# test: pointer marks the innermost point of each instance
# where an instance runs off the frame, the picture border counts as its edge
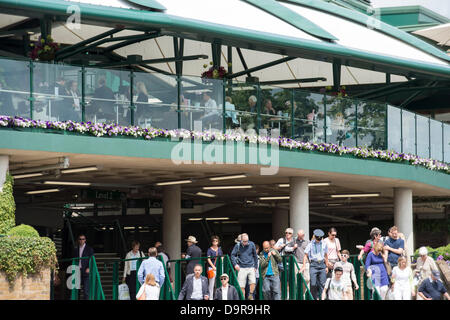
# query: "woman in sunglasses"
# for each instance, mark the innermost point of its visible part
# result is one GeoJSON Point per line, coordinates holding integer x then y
{"type": "Point", "coordinates": [226, 292]}
{"type": "Point", "coordinates": [349, 276]}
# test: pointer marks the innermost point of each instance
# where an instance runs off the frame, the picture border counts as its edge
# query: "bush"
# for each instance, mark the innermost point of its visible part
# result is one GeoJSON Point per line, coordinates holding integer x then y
{"type": "Point", "coordinates": [7, 206]}
{"type": "Point", "coordinates": [26, 255]}
{"type": "Point", "coordinates": [23, 230]}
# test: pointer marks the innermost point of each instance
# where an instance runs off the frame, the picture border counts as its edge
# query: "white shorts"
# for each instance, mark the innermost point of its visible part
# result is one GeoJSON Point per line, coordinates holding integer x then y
{"type": "Point", "coordinates": [245, 273]}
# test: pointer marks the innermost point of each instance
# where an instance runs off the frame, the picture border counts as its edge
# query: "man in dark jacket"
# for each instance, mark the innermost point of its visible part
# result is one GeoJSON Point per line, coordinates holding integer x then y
{"type": "Point", "coordinates": [245, 262]}
{"type": "Point", "coordinates": [193, 251]}
{"type": "Point", "coordinates": [195, 287]}
{"type": "Point", "coordinates": [105, 106]}
{"type": "Point", "coordinates": [226, 292]}
{"type": "Point", "coordinates": [269, 259]}
{"type": "Point", "coordinates": [83, 250]}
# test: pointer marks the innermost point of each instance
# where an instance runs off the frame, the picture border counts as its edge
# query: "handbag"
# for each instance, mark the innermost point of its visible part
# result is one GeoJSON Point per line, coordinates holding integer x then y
{"type": "Point", "coordinates": [124, 292]}
{"type": "Point", "coordinates": [211, 273]}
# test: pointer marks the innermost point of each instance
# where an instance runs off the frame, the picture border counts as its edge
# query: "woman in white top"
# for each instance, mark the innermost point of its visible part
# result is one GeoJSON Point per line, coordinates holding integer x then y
{"type": "Point", "coordinates": [149, 290]}
{"type": "Point", "coordinates": [402, 281]}
{"type": "Point", "coordinates": [129, 272]}
{"type": "Point", "coordinates": [334, 250]}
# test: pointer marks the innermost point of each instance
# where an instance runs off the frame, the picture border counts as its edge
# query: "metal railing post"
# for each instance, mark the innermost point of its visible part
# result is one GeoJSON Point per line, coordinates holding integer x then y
{"type": "Point", "coordinates": [74, 293]}
{"type": "Point", "coordinates": [132, 106]}
{"type": "Point", "coordinates": [115, 292]}
{"type": "Point", "coordinates": [325, 117]}
{"type": "Point", "coordinates": [31, 98]}
{"type": "Point", "coordinates": [83, 93]}
{"type": "Point", "coordinates": [356, 123]}
{"type": "Point", "coordinates": [224, 83]}
{"type": "Point", "coordinates": [178, 102]}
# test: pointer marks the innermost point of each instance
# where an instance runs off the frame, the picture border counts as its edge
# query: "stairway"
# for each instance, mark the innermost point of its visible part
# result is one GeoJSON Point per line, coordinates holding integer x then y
{"type": "Point", "coordinates": [58, 244]}
{"type": "Point", "coordinates": [105, 268]}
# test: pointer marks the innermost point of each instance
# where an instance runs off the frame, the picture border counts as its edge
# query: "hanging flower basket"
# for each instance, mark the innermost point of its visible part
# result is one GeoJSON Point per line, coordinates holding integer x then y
{"type": "Point", "coordinates": [44, 49]}
{"type": "Point", "coordinates": [215, 73]}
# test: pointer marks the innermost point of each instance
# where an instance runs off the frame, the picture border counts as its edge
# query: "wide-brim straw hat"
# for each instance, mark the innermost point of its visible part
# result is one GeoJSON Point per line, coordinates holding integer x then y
{"type": "Point", "coordinates": [191, 239]}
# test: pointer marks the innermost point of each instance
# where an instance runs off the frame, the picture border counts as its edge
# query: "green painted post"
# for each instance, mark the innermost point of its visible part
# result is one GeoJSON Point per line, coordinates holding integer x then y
{"type": "Point", "coordinates": [31, 66]}
{"type": "Point", "coordinates": [177, 278]}
{"type": "Point", "coordinates": [91, 278]}
{"type": "Point", "coordinates": [429, 136]}
{"type": "Point", "coordinates": [74, 292]}
{"type": "Point", "coordinates": [224, 84]}
{"type": "Point", "coordinates": [115, 293]}
{"type": "Point", "coordinates": [292, 114]}
{"type": "Point", "coordinates": [325, 117]}
{"type": "Point", "coordinates": [178, 101]}
{"type": "Point", "coordinates": [356, 123]}
{"type": "Point", "coordinates": [83, 93]}
{"type": "Point", "coordinates": [415, 133]}
{"type": "Point", "coordinates": [258, 108]}
{"type": "Point", "coordinates": [401, 129]}
{"type": "Point", "coordinates": [138, 265]}
{"type": "Point", "coordinates": [443, 143]}
{"type": "Point", "coordinates": [386, 119]}
{"type": "Point", "coordinates": [260, 285]}
{"type": "Point", "coordinates": [132, 107]}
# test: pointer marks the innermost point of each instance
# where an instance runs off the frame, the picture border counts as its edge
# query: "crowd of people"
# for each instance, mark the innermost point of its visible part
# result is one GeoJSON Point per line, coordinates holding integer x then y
{"type": "Point", "coordinates": [324, 265]}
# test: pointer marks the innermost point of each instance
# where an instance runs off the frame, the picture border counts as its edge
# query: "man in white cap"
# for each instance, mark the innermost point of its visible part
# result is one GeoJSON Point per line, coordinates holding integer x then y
{"type": "Point", "coordinates": [193, 251]}
{"type": "Point", "coordinates": [226, 292]}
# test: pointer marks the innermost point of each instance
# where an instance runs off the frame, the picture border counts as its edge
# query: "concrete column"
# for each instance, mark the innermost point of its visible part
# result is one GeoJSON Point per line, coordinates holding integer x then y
{"type": "Point", "coordinates": [4, 166]}
{"type": "Point", "coordinates": [172, 221]}
{"type": "Point", "coordinates": [403, 217]}
{"type": "Point", "coordinates": [280, 221]}
{"type": "Point", "coordinates": [299, 205]}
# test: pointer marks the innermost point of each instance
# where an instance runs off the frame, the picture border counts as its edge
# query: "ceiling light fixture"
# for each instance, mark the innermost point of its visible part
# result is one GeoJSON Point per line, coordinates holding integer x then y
{"type": "Point", "coordinates": [29, 175]}
{"type": "Point", "coordinates": [168, 183]}
{"type": "Point", "coordinates": [355, 195]}
{"type": "Point", "coordinates": [209, 195]}
{"type": "Point", "coordinates": [42, 191]}
{"type": "Point", "coordinates": [311, 184]}
{"type": "Point", "coordinates": [76, 170]}
{"type": "Point", "coordinates": [195, 219]}
{"type": "Point", "coordinates": [227, 187]}
{"type": "Point", "coordinates": [236, 176]}
{"type": "Point", "coordinates": [275, 198]}
{"type": "Point", "coordinates": [68, 183]}
{"type": "Point", "coordinates": [217, 219]}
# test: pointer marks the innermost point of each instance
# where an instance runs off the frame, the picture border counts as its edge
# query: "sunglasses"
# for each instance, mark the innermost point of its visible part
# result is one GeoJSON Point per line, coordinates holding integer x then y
{"type": "Point", "coordinates": [344, 255]}
{"type": "Point", "coordinates": [319, 238]}
{"type": "Point", "coordinates": [288, 232]}
{"type": "Point", "coordinates": [82, 239]}
{"type": "Point", "coordinates": [333, 235]}
{"type": "Point", "coordinates": [224, 278]}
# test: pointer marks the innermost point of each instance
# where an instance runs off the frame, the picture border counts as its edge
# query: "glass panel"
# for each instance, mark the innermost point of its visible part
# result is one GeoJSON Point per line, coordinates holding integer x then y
{"type": "Point", "coordinates": [108, 96]}
{"type": "Point", "coordinates": [307, 106]}
{"type": "Point", "coordinates": [56, 92]}
{"type": "Point", "coordinates": [155, 99]}
{"type": "Point", "coordinates": [447, 143]}
{"type": "Point", "coordinates": [341, 121]}
{"type": "Point", "coordinates": [243, 99]}
{"type": "Point", "coordinates": [423, 137]}
{"type": "Point", "coordinates": [14, 88]}
{"type": "Point", "coordinates": [201, 104]}
{"type": "Point", "coordinates": [394, 127]}
{"type": "Point", "coordinates": [276, 111]}
{"type": "Point", "coordinates": [436, 140]}
{"type": "Point", "coordinates": [409, 132]}
{"type": "Point", "coordinates": [372, 125]}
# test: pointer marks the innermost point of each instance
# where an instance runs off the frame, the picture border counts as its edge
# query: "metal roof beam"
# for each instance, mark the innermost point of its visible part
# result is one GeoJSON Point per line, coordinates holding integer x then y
{"type": "Point", "coordinates": [244, 64]}
{"type": "Point", "coordinates": [303, 80]}
{"type": "Point", "coordinates": [131, 41]}
{"type": "Point", "coordinates": [150, 61]}
{"type": "Point", "coordinates": [263, 66]}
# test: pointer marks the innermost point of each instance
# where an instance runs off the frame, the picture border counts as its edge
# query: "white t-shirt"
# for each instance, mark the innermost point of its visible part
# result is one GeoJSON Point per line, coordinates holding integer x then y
{"type": "Point", "coordinates": [151, 292]}
{"type": "Point", "coordinates": [402, 277]}
{"type": "Point", "coordinates": [333, 248]}
{"type": "Point", "coordinates": [225, 293]}
{"type": "Point", "coordinates": [336, 289]}
{"type": "Point", "coordinates": [197, 289]}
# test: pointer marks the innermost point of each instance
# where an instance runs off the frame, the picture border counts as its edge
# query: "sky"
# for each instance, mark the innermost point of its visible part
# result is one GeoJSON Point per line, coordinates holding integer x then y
{"type": "Point", "coordinates": [439, 6]}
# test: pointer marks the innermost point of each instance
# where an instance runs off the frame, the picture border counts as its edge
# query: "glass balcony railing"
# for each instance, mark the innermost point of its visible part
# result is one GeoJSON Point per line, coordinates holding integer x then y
{"type": "Point", "coordinates": [57, 92]}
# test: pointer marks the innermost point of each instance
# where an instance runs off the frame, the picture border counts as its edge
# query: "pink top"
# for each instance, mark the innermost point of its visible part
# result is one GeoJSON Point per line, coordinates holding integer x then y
{"type": "Point", "coordinates": [333, 247]}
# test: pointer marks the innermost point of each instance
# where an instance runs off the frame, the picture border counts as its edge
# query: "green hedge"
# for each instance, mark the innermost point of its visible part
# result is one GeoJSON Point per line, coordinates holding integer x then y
{"type": "Point", "coordinates": [7, 206]}
{"type": "Point", "coordinates": [26, 255]}
{"type": "Point", "coordinates": [23, 230]}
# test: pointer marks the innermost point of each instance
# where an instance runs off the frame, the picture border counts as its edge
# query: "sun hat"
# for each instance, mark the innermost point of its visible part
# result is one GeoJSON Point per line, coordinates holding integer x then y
{"type": "Point", "coordinates": [423, 251]}
{"type": "Point", "coordinates": [191, 239]}
{"type": "Point", "coordinates": [436, 274]}
{"type": "Point", "coordinates": [224, 275]}
{"type": "Point", "coordinates": [318, 233]}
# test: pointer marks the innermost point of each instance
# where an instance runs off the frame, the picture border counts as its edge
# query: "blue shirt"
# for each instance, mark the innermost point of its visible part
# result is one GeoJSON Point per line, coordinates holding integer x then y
{"type": "Point", "coordinates": [245, 256]}
{"type": "Point", "coordinates": [432, 289]}
{"type": "Point", "coordinates": [154, 266]}
{"type": "Point", "coordinates": [316, 250]}
{"type": "Point", "coordinates": [394, 244]}
{"type": "Point", "coordinates": [269, 266]}
{"type": "Point", "coordinates": [211, 253]}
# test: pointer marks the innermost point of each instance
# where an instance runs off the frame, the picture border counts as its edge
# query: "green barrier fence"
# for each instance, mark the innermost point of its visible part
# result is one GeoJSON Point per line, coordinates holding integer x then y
{"type": "Point", "coordinates": [95, 286]}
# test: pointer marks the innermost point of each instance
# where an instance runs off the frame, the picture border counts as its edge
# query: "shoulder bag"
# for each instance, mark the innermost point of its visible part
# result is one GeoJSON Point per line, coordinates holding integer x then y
{"type": "Point", "coordinates": [211, 273]}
